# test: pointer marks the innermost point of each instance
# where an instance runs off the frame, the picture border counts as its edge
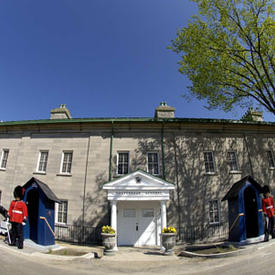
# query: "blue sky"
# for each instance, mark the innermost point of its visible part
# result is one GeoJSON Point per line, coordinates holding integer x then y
{"type": "Point", "coordinates": [102, 58]}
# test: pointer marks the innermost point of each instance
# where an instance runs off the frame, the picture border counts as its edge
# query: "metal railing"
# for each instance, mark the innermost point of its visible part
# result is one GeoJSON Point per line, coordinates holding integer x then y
{"type": "Point", "coordinates": [87, 235]}
{"type": "Point", "coordinates": [205, 233]}
{"type": "Point", "coordinates": [78, 234]}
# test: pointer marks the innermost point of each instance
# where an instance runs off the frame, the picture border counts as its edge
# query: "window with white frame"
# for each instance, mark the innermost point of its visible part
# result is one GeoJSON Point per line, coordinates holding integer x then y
{"type": "Point", "coordinates": [232, 161]}
{"type": "Point", "coordinates": [214, 212]}
{"type": "Point", "coordinates": [271, 160]}
{"type": "Point", "coordinates": [122, 163]}
{"type": "Point", "coordinates": [153, 163]}
{"type": "Point", "coordinates": [66, 166]}
{"type": "Point", "coordinates": [209, 162]}
{"type": "Point", "coordinates": [4, 158]}
{"type": "Point", "coordinates": [61, 212]}
{"type": "Point", "coordinates": [42, 161]}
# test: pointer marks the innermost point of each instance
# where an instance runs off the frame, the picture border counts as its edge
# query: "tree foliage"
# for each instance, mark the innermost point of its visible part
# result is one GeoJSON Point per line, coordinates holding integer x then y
{"type": "Point", "coordinates": [228, 53]}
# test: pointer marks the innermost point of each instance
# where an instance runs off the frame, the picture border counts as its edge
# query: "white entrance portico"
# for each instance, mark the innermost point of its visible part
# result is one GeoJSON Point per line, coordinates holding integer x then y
{"type": "Point", "coordinates": [138, 208]}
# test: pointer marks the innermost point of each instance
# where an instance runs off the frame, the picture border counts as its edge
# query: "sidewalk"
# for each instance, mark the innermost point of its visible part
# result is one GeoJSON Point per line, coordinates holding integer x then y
{"type": "Point", "coordinates": [123, 254]}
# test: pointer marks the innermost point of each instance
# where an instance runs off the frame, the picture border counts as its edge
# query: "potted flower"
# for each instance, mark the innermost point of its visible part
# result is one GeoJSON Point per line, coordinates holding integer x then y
{"type": "Point", "coordinates": [108, 235]}
{"type": "Point", "coordinates": [168, 238]}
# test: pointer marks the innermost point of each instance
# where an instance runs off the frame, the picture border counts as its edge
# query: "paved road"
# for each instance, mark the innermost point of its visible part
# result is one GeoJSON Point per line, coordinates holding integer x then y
{"type": "Point", "coordinates": [257, 261]}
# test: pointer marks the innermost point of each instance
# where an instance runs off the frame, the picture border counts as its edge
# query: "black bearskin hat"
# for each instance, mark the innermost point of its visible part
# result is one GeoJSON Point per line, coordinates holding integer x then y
{"type": "Point", "coordinates": [266, 189]}
{"type": "Point", "coordinates": [18, 192]}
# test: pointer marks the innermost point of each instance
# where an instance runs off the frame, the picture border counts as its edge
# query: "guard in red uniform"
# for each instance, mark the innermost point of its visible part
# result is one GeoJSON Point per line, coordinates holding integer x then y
{"type": "Point", "coordinates": [268, 210]}
{"type": "Point", "coordinates": [18, 217]}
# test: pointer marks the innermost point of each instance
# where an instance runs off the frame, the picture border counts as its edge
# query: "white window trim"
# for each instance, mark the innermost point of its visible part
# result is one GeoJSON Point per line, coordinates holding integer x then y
{"type": "Point", "coordinates": [273, 158]}
{"type": "Point", "coordinates": [237, 163]}
{"type": "Point", "coordinates": [56, 213]}
{"type": "Point", "coordinates": [219, 212]}
{"type": "Point", "coordinates": [153, 152]}
{"type": "Point", "coordinates": [38, 162]}
{"type": "Point", "coordinates": [2, 156]}
{"type": "Point", "coordinates": [214, 164]}
{"type": "Point", "coordinates": [61, 164]}
{"type": "Point", "coordinates": [117, 157]}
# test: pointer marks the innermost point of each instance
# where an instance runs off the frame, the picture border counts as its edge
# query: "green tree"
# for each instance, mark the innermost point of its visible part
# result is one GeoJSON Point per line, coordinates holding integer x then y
{"type": "Point", "coordinates": [227, 51]}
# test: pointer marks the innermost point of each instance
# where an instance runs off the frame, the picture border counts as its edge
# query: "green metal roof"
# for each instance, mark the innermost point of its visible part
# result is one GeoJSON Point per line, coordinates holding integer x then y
{"type": "Point", "coordinates": [132, 119]}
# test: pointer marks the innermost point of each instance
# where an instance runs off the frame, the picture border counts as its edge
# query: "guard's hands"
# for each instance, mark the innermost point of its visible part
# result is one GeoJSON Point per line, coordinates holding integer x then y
{"type": "Point", "coordinates": [24, 222]}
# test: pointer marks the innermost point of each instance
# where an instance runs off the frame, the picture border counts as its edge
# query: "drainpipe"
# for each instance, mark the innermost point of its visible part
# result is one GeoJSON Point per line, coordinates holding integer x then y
{"type": "Point", "coordinates": [111, 150]}
{"type": "Point", "coordinates": [178, 188]}
{"type": "Point", "coordinates": [249, 157]}
{"type": "Point", "coordinates": [84, 188]}
{"type": "Point", "coordinates": [162, 152]}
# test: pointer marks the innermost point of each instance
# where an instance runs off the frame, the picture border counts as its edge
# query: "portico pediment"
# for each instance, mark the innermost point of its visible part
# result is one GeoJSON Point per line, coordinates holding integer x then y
{"type": "Point", "coordinates": [138, 185]}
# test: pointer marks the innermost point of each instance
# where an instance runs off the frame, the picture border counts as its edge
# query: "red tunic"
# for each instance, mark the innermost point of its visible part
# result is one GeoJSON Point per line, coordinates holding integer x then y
{"type": "Point", "coordinates": [18, 211]}
{"type": "Point", "coordinates": [268, 206]}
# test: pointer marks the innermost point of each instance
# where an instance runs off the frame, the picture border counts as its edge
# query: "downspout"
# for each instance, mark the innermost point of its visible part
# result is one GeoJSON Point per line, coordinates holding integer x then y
{"type": "Point", "coordinates": [111, 152]}
{"type": "Point", "coordinates": [84, 188]}
{"type": "Point", "coordinates": [178, 188]}
{"type": "Point", "coordinates": [162, 152]}
{"type": "Point", "coordinates": [249, 157]}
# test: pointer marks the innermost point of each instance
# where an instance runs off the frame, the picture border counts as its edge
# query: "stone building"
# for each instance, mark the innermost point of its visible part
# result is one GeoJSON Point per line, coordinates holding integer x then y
{"type": "Point", "coordinates": [139, 174]}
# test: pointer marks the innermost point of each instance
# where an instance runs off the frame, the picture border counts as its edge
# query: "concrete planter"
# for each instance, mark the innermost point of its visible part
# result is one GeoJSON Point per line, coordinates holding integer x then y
{"type": "Point", "coordinates": [168, 242]}
{"type": "Point", "coordinates": [109, 242]}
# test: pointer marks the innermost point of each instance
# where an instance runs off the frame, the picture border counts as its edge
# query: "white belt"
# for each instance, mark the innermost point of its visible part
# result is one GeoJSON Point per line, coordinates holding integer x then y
{"type": "Point", "coordinates": [268, 207]}
{"type": "Point", "coordinates": [17, 211]}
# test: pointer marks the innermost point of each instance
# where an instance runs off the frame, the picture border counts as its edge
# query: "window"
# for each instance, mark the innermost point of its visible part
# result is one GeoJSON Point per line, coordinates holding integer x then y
{"type": "Point", "coordinates": [271, 161]}
{"type": "Point", "coordinates": [61, 212]}
{"type": "Point", "coordinates": [123, 163]}
{"type": "Point", "coordinates": [232, 161]}
{"type": "Point", "coordinates": [147, 213]}
{"type": "Point", "coordinates": [129, 213]}
{"type": "Point", "coordinates": [214, 212]}
{"type": "Point", "coordinates": [67, 159]}
{"type": "Point", "coordinates": [42, 163]}
{"type": "Point", "coordinates": [153, 163]}
{"type": "Point", "coordinates": [209, 162]}
{"type": "Point", "coordinates": [4, 158]}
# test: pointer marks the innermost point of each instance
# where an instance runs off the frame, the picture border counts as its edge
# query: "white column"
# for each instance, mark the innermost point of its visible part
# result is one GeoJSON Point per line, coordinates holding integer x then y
{"type": "Point", "coordinates": [114, 218]}
{"type": "Point", "coordinates": [163, 220]}
{"type": "Point", "coordinates": [163, 214]}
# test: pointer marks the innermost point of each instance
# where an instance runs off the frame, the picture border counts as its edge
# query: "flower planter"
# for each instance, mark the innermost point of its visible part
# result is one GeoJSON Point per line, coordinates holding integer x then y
{"type": "Point", "coordinates": [109, 242]}
{"type": "Point", "coordinates": [168, 242]}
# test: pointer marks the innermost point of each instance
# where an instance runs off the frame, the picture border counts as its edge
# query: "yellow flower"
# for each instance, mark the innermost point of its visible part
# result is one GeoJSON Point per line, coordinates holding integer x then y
{"type": "Point", "coordinates": [107, 229]}
{"type": "Point", "coordinates": [169, 229]}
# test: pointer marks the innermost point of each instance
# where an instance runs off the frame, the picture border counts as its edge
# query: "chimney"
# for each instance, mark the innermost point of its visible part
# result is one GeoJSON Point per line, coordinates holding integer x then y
{"type": "Point", "coordinates": [60, 113]}
{"type": "Point", "coordinates": [253, 115]}
{"type": "Point", "coordinates": [164, 111]}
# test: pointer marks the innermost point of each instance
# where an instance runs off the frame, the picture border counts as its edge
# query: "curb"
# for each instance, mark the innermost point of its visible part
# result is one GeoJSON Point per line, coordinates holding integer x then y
{"type": "Point", "coordinates": [241, 251]}
{"type": "Point", "coordinates": [87, 256]}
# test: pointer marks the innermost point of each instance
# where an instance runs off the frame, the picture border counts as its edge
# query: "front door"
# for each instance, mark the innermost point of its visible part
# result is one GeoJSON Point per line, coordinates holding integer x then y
{"type": "Point", "coordinates": [138, 223]}
{"type": "Point", "coordinates": [251, 213]}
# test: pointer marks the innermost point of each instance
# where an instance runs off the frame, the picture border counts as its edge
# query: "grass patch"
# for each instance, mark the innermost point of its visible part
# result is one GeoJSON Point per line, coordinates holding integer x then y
{"type": "Point", "coordinates": [217, 249]}
{"type": "Point", "coordinates": [67, 252]}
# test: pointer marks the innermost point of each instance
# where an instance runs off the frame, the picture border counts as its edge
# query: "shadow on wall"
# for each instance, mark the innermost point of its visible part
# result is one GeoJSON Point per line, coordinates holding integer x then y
{"type": "Point", "coordinates": [188, 209]}
{"type": "Point", "coordinates": [96, 212]}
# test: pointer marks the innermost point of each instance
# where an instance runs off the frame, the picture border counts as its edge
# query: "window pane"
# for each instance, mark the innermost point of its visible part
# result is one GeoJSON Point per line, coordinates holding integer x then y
{"type": "Point", "coordinates": [62, 212]}
{"type": "Point", "coordinates": [153, 163]}
{"type": "Point", "coordinates": [146, 213]}
{"type": "Point", "coordinates": [43, 161]}
{"type": "Point", "coordinates": [123, 163]}
{"type": "Point", "coordinates": [214, 215]}
{"type": "Point", "coordinates": [67, 162]}
{"type": "Point", "coordinates": [270, 159]}
{"type": "Point", "coordinates": [232, 160]}
{"type": "Point", "coordinates": [129, 213]}
{"type": "Point", "coordinates": [5, 154]}
{"type": "Point", "coordinates": [209, 162]}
